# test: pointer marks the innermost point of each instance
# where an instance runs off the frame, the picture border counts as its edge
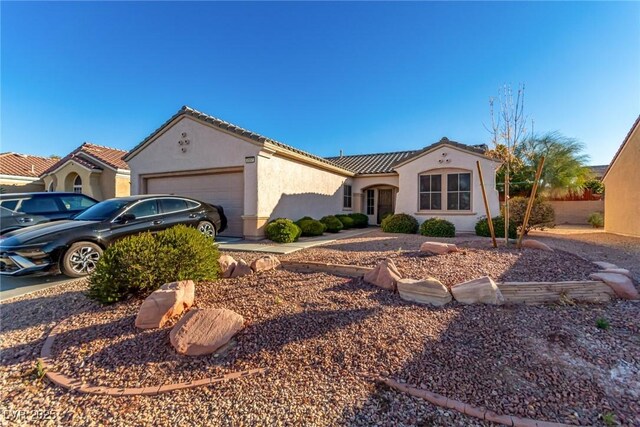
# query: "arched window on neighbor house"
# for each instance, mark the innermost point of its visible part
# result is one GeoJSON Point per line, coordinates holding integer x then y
{"type": "Point", "coordinates": [77, 185]}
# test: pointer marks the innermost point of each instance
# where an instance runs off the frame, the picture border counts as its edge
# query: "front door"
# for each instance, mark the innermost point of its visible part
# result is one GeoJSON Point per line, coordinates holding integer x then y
{"type": "Point", "coordinates": [385, 203]}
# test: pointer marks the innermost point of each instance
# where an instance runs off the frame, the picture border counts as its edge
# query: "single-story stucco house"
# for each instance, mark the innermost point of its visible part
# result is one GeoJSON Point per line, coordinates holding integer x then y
{"type": "Point", "coordinates": [257, 179]}
{"type": "Point", "coordinates": [20, 173]}
{"type": "Point", "coordinates": [622, 187]}
{"type": "Point", "coordinates": [90, 169]}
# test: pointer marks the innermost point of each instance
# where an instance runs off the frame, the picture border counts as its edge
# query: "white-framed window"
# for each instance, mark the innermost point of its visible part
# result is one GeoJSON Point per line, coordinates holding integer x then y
{"type": "Point", "coordinates": [459, 192]}
{"type": "Point", "coordinates": [77, 185]}
{"type": "Point", "coordinates": [370, 202]}
{"type": "Point", "coordinates": [430, 192]}
{"type": "Point", "coordinates": [347, 197]}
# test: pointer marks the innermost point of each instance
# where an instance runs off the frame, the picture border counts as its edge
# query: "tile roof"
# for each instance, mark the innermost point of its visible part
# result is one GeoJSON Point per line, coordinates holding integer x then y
{"type": "Point", "coordinates": [626, 139]}
{"type": "Point", "coordinates": [371, 163]}
{"type": "Point", "coordinates": [86, 154]}
{"type": "Point", "coordinates": [230, 127]}
{"type": "Point", "coordinates": [24, 164]}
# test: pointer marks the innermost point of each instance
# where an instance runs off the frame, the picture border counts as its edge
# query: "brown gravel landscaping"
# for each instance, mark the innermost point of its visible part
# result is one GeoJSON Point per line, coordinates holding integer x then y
{"type": "Point", "coordinates": [316, 332]}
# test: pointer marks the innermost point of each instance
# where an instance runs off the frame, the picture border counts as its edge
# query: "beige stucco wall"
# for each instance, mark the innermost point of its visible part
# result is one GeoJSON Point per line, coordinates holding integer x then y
{"type": "Point", "coordinates": [622, 190]}
{"type": "Point", "coordinates": [100, 185]}
{"type": "Point", "coordinates": [455, 160]}
{"type": "Point", "coordinates": [9, 185]}
{"type": "Point", "coordinates": [292, 190]}
{"type": "Point", "coordinates": [123, 186]}
{"type": "Point", "coordinates": [575, 211]}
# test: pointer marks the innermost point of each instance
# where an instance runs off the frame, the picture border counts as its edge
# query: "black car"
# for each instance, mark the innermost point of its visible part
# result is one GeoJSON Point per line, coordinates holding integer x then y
{"type": "Point", "coordinates": [35, 208]}
{"type": "Point", "coordinates": [74, 246]}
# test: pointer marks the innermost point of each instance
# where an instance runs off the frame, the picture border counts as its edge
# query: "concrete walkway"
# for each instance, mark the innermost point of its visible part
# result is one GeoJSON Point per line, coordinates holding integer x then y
{"type": "Point", "coordinates": [267, 246]}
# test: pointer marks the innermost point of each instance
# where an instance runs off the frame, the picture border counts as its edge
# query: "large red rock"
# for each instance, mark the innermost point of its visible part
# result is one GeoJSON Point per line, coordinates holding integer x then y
{"type": "Point", "coordinates": [425, 291]}
{"type": "Point", "coordinates": [534, 244]}
{"type": "Point", "coordinates": [621, 284]}
{"type": "Point", "coordinates": [241, 269]}
{"type": "Point", "coordinates": [203, 331]}
{"type": "Point", "coordinates": [227, 264]}
{"type": "Point", "coordinates": [264, 263]}
{"type": "Point", "coordinates": [482, 290]}
{"type": "Point", "coordinates": [170, 300]}
{"type": "Point", "coordinates": [384, 275]}
{"type": "Point", "coordinates": [438, 248]}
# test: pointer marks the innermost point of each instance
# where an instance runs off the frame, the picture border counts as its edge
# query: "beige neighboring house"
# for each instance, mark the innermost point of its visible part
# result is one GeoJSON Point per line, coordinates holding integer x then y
{"type": "Point", "coordinates": [90, 169]}
{"type": "Point", "coordinates": [622, 187]}
{"type": "Point", "coordinates": [20, 173]}
{"type": "Point", "coordinates": [255, 178]}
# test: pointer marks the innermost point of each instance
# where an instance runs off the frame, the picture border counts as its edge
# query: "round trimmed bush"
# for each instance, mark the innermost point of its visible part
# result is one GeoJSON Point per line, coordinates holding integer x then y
{"type": "Point", "coordinates": [482, 228]}
{"type": "Point", "coordinates": [282, 230]}
{"type": "Point", "coordinates": [359, 220]}
{"type": "Point", "coordinates": [310, 226]}
{"type": "Point", "coordinates": [438, 227]}
{"type": "Point", "coordinates": [138, 265]}
{"type": "Point", "coordinates": [333, 224]}
{"type": "Point", "coordinates": [542, 213]}
{"type": "Point", "coordinates": [346, 220]}
{"type": "Point", "coordinates": [400, 223]}
{"type": "Point", "coordinates": [596, 220]}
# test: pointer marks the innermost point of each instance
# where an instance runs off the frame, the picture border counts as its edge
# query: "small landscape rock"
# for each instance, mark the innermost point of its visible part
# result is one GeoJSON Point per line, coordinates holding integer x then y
{"type": "Point", "coordinates": [227, 265]}
{"type": "Point", "coordinates": [241, 269]}
{"type": "Point", "coordinates": [426, 291]}
{"type": "Point", "coordinates": [264, 263]}
{"type": "Point", "coordinates": [170, 300]}
{"type": "Point", "coordinates": [438, 248]}
{"type": "Point", "coordinates": [621, 284]}
{"type": "Point", "coordinates": [534, 244]}
{"type": "Point", "coordinates": [605, 265]}
{"type": "Point", "coordinates": [203, 331]}
{"type": "Point", "coordinates": [385, 275]}
{"type": "Point", "coordinates": [482, 290]}
{"type": "Point", "coordinates": [623, 271]}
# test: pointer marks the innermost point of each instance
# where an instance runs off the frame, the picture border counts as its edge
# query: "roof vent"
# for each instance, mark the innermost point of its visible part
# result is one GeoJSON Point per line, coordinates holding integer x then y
{"type": "Point", "coordinates": [444, 139]}
{"type": "Point", "coordinates": [340, 153]}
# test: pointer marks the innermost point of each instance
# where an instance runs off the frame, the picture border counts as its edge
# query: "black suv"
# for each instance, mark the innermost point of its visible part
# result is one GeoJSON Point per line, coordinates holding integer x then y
{"type": "Point", "coordinates": [75, 246]}
{"type": "Point", "coordinates": [26, 209]}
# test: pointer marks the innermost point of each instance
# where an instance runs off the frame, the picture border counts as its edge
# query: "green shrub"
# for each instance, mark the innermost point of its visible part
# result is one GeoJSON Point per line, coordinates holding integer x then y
{"type": "Point", "coordinates": [359, 220]}
{"type": "Point", "coordinates": [596, 220]}
{"type": "Point", "coordinates": [282, 230]}
{"type": "Point", "coordinates": [140, 264]}
{"type": "Point", "coordinates": [542, 214]}
{"type": "Point", "coordinates": [482, 228]}
{"type": "Point", "coordinates": [310, 226]}
{"type": "Point", "coordinates": [333, 224]}
{"type": "Point", "coordinates": [346, 220]}
{"type": "Point", "coordinates": [400, 223]}
{"type": "Point", "coordinates": [602, 323]}
{"type": "Point", "coordinates": [438, 227]}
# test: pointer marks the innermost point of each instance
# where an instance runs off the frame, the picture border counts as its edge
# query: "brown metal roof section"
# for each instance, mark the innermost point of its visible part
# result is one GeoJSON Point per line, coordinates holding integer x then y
{"type": "Point", "coordinates": [24, 164]}
{"type": "Point", "coordinates": [366, 164]}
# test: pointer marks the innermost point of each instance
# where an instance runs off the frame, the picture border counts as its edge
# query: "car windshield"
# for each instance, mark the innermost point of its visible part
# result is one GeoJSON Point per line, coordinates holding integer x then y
{"type": "Point", "coordinates": [101, 211]}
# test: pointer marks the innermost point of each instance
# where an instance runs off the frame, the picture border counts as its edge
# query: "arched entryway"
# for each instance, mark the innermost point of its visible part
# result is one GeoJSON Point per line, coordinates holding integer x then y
{"type": "Point", "coordinates": [73, 183]}
{"type": "Point", "coordinates": [378, 202]}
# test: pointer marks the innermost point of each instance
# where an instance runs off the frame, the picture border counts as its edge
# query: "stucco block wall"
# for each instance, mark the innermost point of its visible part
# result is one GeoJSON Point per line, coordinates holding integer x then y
{"type": "Point", "coordinates": [575, 211]}
{"type": "Point", "coordinates": [14, 186]}
{"type": "Point", "coordinates": [292, 190]}
{"type": "Point", "coordinates": [622, 190]}
{"type": "Point", "coordinates": [453, 160]}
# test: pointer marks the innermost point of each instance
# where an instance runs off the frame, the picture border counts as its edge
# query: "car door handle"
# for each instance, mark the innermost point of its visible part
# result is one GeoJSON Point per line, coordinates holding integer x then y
{"type": "Point", "coordinates": [193, 215]}
{"type": "Point", "coordinates": [157, 222]}
{"type": "Point", "coordinates": [23, 220]}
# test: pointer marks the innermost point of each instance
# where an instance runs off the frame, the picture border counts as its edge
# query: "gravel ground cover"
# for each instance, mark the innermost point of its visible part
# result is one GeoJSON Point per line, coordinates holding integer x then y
{"type": "Point", "coordinates": [316, 332]}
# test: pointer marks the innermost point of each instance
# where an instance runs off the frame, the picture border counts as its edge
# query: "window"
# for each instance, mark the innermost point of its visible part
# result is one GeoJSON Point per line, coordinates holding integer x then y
{"type": "Point", "coordinates": [191, 204]}
{"type": "Point", "coordinates": [459, 191]}
{"type": "Point", "coordinates": [346, 200]}
{"type": "Point", "coordinates": [10, 204]}
{"type": "Point", "coordinates": [37, 205]}
{"type": "Point", "coordinates": [76, 203]}
{"type": "Point", "coordinates": [370, 202]}
{"type": "Point", "coordinates": [172, 205]}
{"type": "Point", "coordinates": [146, 208]}
{"type": "Point", "coordinates": [77, 185]}
{"type": "Point", "coordinates": [430, 192]}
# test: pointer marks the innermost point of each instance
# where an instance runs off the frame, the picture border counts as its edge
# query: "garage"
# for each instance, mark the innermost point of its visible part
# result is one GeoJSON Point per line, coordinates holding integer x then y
{"type": "Point", "coordinates": [224, 189]}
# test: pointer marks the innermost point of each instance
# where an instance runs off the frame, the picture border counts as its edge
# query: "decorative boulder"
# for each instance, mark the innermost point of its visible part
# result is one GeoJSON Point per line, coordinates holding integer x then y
{"type": "Point", "coordinates": [534, 244]}
{"type": "Point", "coordinates": [621, 284]}
{"type": "Point", "coordinates": [385, 275]}
{"type": "Point", "coordinates": [203, 331]}
{"type": "Point", "coordinates": [264, 263]}
{"type": "Point", "coordinates": [426, 291]}
{"type": "Point", "coordinates": [170, 300]}
{"type": "Point", "coordinates": [227, 265]}
{"type": "Point", "coordinates": [438, 248]}
{"type": "Point", "coordinates": [482, 290]}
{"type": "Point", "coordinates": [623, 271]}
{"type": "Point", "coordinates": [605, 265]}
{"type": "Point", "coordinates": [241, 269]}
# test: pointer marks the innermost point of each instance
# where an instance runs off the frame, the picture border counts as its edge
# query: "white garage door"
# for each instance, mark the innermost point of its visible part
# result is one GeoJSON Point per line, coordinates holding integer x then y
{"type": "Point", "coordinates": [224, 189]}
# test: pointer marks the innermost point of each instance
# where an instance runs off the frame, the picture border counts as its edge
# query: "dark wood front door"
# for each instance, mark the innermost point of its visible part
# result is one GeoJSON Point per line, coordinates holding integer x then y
{"type": "Point", "coordinates": [385, 203]}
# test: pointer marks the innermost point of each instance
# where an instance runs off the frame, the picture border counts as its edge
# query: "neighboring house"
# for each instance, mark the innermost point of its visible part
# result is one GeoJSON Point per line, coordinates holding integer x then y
{"type": "Point", "coordinates": [622, 187]}
{"type": "Point", "coordinates": [255, 178]}
{"type": "Point", "coordinates": [90, 169]}
{"type": "Point", "coordinates": [20, 173]}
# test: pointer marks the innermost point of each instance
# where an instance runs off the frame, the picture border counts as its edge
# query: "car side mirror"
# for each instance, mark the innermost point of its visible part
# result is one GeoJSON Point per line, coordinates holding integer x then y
{"type": "Point", "coordinates": [123, 219]}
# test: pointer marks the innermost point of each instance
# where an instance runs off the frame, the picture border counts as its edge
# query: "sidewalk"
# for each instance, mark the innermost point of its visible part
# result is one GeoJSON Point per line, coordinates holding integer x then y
{"type": "Point", "coordinates": [240, 245]}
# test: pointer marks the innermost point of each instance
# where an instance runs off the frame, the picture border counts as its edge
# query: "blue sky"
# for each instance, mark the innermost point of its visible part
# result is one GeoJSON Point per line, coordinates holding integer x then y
{"type": "Point", "coordinates": [361, 77]}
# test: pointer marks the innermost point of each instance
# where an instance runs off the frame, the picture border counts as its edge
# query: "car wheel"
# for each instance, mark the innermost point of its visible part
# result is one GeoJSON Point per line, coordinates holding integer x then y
{"type": "Point", "coordinates": [207, 228]}
{"type": "Point", "coordinates": [81, 259]}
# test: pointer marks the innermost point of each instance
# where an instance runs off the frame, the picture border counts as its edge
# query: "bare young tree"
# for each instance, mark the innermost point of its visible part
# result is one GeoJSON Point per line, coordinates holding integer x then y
{"type": "Point", "coordinates": [508, 131]}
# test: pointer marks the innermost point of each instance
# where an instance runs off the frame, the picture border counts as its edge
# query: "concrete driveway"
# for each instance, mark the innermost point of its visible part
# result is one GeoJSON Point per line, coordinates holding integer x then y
{"type": "Point", "coordinates": [15, 286]}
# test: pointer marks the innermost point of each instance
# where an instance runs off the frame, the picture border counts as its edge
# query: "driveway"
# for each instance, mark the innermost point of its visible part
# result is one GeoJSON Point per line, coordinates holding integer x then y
{"type": "Point", "coordinates": [15, 286]}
